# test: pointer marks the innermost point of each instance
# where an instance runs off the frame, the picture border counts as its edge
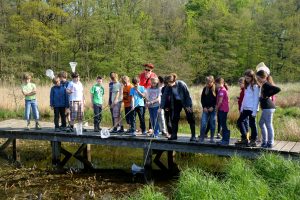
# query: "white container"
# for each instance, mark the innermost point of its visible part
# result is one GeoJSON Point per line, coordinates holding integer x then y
{"type": "Point", "coordinates": [78, 128]}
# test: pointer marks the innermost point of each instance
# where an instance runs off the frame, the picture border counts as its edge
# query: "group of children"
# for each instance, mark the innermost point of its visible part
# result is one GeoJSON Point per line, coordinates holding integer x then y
{"type": "Point", "coordinates": [256, 88]}
{"type": "Point", "coordinates": [164, 98]}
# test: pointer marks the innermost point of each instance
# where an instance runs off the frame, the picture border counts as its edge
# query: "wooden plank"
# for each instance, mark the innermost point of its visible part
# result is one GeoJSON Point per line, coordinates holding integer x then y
{"type": "Point", "coordinates": [16, 154]}
{"type": "Point", "coordinates": [288, 146]}
{"type": "Point", "coordinates": [6, 144]}
{"type": "Point", "coordinates": [279, 146]}
{"type": "Point", "coordinates": [296, 148]}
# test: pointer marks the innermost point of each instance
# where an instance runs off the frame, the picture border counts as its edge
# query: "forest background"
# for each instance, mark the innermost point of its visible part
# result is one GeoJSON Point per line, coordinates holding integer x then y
{"type": "Point", "coordinates": [193, 38]}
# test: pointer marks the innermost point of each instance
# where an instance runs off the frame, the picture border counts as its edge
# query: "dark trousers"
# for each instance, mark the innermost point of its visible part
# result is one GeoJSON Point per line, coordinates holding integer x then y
{"type": "Point", "coordinates": [59, 111]}
{"type": "Point", "coordinates": [168, 116]}
{"type": "Point", "coordinates": [97, 115]}
{"type": "Point", "coordinates": [112, 116]}
{"type": "Point", "coordinates": [223, 123]}
{"type": "Point", "coordinates": [176, 117]}
{"type": "Point", "coordinates": [242, 121]}
{"type": "Point", "coordinates": [127, 116]}
{"type": "Point", "coordinates": [140, 110]}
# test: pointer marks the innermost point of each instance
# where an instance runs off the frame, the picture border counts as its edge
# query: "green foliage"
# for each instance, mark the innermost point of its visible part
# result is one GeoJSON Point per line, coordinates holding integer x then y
{"type": "Point", "coordinates": [203, 37]}
{"type": "Point", "coordinates": [149, 192]}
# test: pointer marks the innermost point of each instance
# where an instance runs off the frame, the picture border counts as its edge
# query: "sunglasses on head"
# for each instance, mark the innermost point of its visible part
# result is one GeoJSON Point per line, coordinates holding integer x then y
{"type": "Point", "coordinates": [148, 70]}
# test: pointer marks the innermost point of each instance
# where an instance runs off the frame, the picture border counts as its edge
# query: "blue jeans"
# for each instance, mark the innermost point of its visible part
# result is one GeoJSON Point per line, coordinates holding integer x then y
{"type": "Point", "coordinates": [154, 119]}
{"type": "Point", "coordinates": [97, 114]}
{"type": "Point", "coordinates": [266, 125]}
{"type": "Point", "coordinates": [31, 105]}
{"type": "Point", "coordinates": [223, 123]}
{"type": "Point", "coordinates": [208, 117]}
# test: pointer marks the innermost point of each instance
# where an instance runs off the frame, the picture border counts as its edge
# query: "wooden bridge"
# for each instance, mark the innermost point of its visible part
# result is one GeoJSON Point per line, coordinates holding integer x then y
{"type": "Point", "coordinates": [13, 130]}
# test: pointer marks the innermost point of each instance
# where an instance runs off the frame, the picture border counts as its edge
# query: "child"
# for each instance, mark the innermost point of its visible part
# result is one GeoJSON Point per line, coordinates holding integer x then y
{"type": "Point", "coordinates": [76, 100]}
{"type": "Point", "coordinates": [116, 102]}
{"type": "Point", "coordinates": [240, 100]}
{"type": "Point", "coordinates": [268, 108]}
{"type": "Point", "coordinates": [223, 109]}
{"type": "Point", "coordinates": [153, 102]}
{"type": "Point", "coordinates": [64, 82]}
{"type": "Point", "coordinates": [208, 101]}
{"type": "Point", "coordinates": [137, 94]}
{"type": "Point", "coordinates": [161, 115]}
{"type": "Point", "coordinates": [249, 109]}
{"type": "Point", "coordinates": [127, 99]}
{"type": "Point", "coordinates": [29, 91]}
{"type": "Point", "coordinates": [97, 92]}
{"type": "Point", "coordinates": [59, 102]}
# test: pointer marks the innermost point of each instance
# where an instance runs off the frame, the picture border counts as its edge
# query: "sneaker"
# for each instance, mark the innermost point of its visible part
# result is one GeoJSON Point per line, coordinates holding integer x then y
{"type": "Point", "coordinates": [172, 138]}
{"type": "Point", "coordinates": [155, 136]}
{"type": "Point", "coordinates": [252, 143]}
{"type": "Point", "coordinates": [114, 130]}
{"type": "Point", "coordinates": [37, 126]}
{"type": "Point", "coordinates": [243, 142]}
{"type": "Point", "coordinates": [211, 140]}
{"type": "Point", "coordinates": [218, 136]}
{"type": "Point", "coordinates": [63, 128]}
{"type": "Point", "coordinates": [121, 130]}
{"type": "Point", "coordinates": [201, 140]}
{"type": "Point", "coordinates": [193, 139]}
{"type": "Point", "coordinates": [57, 130]}
{"type": "Point", "coordinates": [133, 134]}
{"type": "Point", "coordinates": [144, 133]}
{"type": "Point", "coordinates": [70, 130]}
{"type": "Point", "coordinates": [27, 127]}
{"type": "Point", "coordinates": [223, 143]}
{"type": "Point", "coordinates": [263, 145]}
{"type": "Point", "coordinates": [96, 129]}
{"type": "Point", "coordinates": [269, 146]}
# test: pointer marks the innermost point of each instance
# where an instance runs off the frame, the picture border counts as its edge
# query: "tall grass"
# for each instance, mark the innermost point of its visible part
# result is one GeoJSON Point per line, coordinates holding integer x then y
{"type": "Point", "coordinates": [269, 177]}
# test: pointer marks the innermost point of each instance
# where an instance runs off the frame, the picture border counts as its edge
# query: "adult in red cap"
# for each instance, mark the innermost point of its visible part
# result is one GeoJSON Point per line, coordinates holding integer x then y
{"type": "Point", "coordinates": [146, 75]}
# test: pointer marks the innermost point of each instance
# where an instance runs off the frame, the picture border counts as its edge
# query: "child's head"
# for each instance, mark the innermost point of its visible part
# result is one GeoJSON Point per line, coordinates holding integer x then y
{"type": "Point", "coordinates": [161, 80]}
{"type": "Point", "coordinates": [171, 79]}
{"type": "Point", "coordinates": [99, 80]}
{"type": "Point", "coordinates": [262, 76]}
{"type": "Point", "coordinates": [210, 81]}
{"type": "Point", "coordinates": [63, 75]}
{"type": "Point", "coordinates": [125, 80]}
{"type": "Point", "coordinates": [219, 82]}
{"type": "Point", "coordinates": [111, 74]}
{"type": "Point", "coordinates": [136, 81]}
{"type": "Point", "coordinates": [242, 82]}
{"type": "Point", "coordinates": [114, 77]}
{"type": "Point", "coordinates": [250, 78]}
{"type": "Point", "coordinates": [154, 82]}
{"type": "Point", "coordinates": [26, 78]}
{"type": "Point", "coordinates": [75, 76]}
{"type": "Point", "coordinates": [56, 81]}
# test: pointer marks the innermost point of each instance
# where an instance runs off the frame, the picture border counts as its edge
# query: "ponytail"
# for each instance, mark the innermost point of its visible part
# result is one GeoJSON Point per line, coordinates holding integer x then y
{"type": "Point", "coordinates": [220, 80]}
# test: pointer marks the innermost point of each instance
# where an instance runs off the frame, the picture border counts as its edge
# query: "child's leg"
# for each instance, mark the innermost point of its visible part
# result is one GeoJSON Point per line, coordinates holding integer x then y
{"type": "Point", "coordinates": [223, 123]}
{"type": "Point", "coordinates": [253, 127]}
{"type": "Point", "coordinates": [100, 116]}
{"type": "Point", "coordinates": [96, 115]}
{"type": "Point", "coordinates": [212, 124]}
{"type": "Point", "coordinates": [153, 117]}
{"type": "Point", "coordinates": [241, 123]}
{"type": "Point", "coordinates": [269, 125]}
{"type": "Point", "coordinates": [262, 125]}
{"type": "Point", "coordinates": [204, 122]}
{"type": "Point", "coordinates": [191, 120]}
{"type": "Point", "coordinates": [162, 121]}
{"type": "Point", "coordinates": [27, 111]}
{"type": "Point", "coordinates": [63, 117]}
{"type": "Point", "coordinates": [56, 117]}
{"type": "Point", "coordinates": [35, 110]}
{"type": "Point", "coordinates": [141, 113]}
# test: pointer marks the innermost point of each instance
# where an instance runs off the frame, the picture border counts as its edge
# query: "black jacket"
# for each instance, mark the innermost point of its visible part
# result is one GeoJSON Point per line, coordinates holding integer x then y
{"type": "Point", "coordinates": [208, 100]}
{"type": "Point", "coordinates": [268, 90]}
{"type": "Point", "coordinates": [183, 92]}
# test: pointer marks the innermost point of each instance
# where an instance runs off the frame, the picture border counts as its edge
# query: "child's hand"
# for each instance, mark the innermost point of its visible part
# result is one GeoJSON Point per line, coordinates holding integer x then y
{"type": "Point", "coordinates": [210, 109]}
{"type": "Point", "coordinates": [189, 109]}
{"type": "Point", "coordinates": [51, 107]}
{"type": "Point", "coordinates": [205, 110]}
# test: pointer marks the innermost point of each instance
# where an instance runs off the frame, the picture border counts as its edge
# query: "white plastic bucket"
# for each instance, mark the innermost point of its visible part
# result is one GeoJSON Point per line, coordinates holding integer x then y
{"type": "Point", "coordinates": [78, 128]}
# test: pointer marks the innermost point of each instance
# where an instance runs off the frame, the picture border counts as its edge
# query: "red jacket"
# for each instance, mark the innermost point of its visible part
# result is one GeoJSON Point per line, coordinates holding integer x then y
{"type": "Point", "coordinates": [240, 99]}
{"type": "Point", "coordinates": [146, 82]}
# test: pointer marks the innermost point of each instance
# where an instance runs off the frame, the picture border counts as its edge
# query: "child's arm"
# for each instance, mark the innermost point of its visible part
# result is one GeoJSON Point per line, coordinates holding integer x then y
{"type": "Point", "coordinates": [51, 98]}
{"type": "Point", "coordinates": [220, 100]}
{"type": "Point", "coordinates": [132, 103]}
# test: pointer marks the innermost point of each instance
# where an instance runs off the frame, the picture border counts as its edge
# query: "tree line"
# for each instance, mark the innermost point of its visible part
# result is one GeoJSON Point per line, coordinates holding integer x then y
{"type": "Point", "coordinates": [193, 38]}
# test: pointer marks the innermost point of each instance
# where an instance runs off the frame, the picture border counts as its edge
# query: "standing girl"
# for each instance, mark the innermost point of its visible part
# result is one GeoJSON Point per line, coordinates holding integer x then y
{"type": "Point", "coordinates": [180, 98]}
{"type": "Point", "coordinates": [268, 108]}
{"type": "Point", "coordinates": [208, 101]}
{"type": "Point", "coordinates": [249, 109]}
{"type": "Point", "coordinates": [223, 109]}
{"type": "Point", "coordinates": [153, 101]}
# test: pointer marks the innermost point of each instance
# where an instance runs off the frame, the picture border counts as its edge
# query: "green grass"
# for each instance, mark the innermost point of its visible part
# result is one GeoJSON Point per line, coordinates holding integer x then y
{"type": "Point", "coordinates": [149, 192]}
{"type": "Point", "coordinates": [269, 177]}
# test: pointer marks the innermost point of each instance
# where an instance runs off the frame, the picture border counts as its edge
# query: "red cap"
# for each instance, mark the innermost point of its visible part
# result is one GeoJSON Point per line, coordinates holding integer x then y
{"type": "Point", "coordinates": [149, 65]}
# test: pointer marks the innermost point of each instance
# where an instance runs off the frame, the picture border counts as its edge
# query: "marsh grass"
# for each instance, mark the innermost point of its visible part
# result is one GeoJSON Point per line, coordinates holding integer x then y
{"type": "Point", "coordinates": [269, 177]}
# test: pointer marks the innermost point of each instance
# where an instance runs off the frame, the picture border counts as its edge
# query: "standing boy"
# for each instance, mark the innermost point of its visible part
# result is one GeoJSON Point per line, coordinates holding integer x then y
{"type": "Point", "coordinates": [127, 99]}
{"type": "Point", "coordinates": [97, 92]}
{"type": "Point", "coordinates": [76, 100]}
{"type": "Point", "coordinates": [29, 91]}
{"type": "Point", "coordinates": [59, 101]}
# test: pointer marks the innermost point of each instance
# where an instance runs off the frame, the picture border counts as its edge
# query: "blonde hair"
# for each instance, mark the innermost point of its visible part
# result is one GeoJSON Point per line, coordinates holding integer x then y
{"type": "Point", "coordinates": [114, 77]}
{"type": "Point", "coordinates": [213, 88]}
{"type": "Point", "coordinates": [154, 80]}
{"type": "Point", "coordinates": [124, 79]}
{"type": "Point", "coordinates": [26, 76]}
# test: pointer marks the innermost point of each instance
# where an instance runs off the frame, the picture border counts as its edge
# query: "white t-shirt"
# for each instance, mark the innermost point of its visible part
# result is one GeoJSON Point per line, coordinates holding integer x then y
{"type": "Point", "coordinates": [77, 91]}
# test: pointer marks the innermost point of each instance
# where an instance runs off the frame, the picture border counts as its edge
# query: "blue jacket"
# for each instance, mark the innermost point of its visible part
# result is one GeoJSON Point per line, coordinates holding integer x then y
{"type": "Point", "coordinates": [59, 97]}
